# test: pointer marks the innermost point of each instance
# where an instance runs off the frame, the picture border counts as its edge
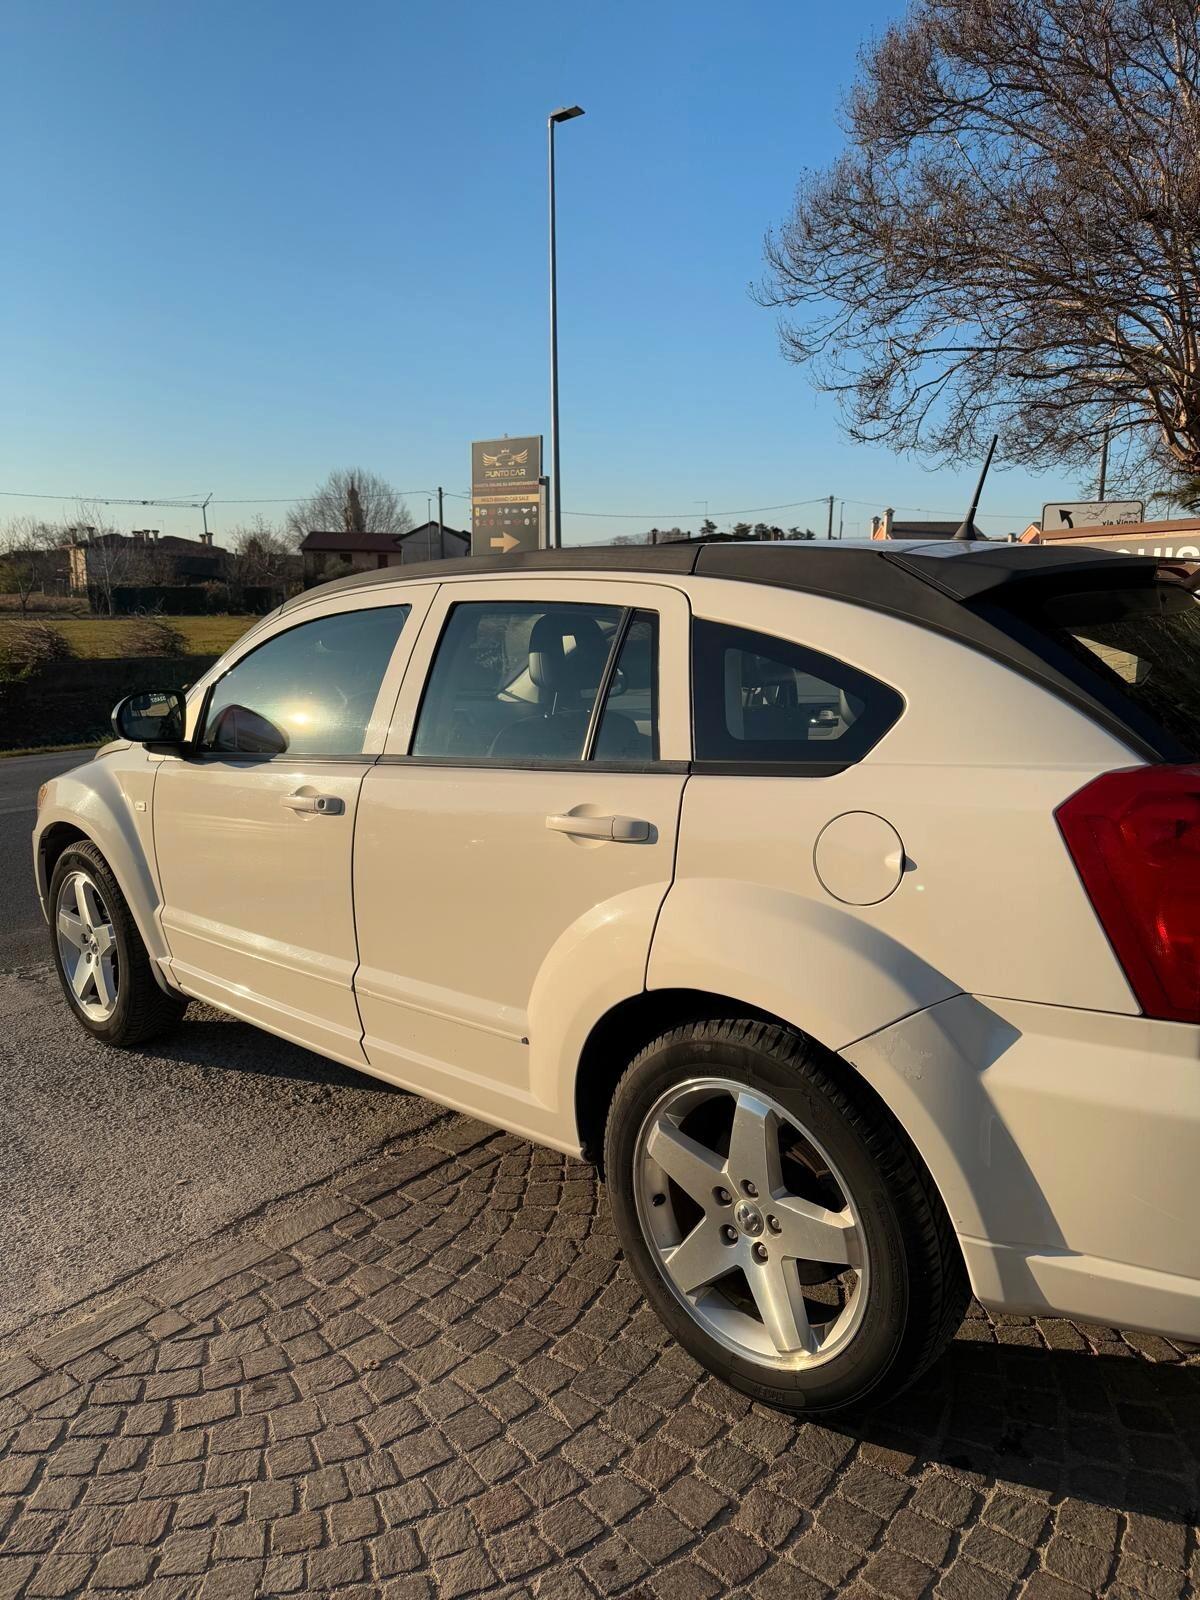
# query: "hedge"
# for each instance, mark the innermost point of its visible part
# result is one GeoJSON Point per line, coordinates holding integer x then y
{"type": "Point", "coordinates": [73, 700]}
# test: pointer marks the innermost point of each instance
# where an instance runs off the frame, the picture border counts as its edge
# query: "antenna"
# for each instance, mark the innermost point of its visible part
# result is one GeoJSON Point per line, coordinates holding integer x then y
{"type": "Point", "coordinates": [966, 528]}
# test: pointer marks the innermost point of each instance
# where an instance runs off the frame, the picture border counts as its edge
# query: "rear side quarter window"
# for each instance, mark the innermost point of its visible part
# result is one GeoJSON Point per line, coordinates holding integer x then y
{"type": "Point", "coordinates": [759, 702]}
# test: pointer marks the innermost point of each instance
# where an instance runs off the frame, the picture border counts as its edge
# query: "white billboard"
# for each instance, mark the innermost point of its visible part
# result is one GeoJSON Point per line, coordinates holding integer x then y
{"type": "Point", "coordinates": [1063, 515]}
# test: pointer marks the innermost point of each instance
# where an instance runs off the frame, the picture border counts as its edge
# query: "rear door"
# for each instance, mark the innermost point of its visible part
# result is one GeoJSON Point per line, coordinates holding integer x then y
{"type": "Point", "coordinates": [253, 829]}
{"type": "Point", "coordinates": [517, 837]}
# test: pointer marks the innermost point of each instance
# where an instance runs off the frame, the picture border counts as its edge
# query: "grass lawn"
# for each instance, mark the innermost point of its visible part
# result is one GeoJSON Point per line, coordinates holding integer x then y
{"type": "Point", "coordinates": [97, 637]}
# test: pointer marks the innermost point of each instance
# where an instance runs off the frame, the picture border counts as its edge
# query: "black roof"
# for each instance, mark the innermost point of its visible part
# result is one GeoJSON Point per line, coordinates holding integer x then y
{"type": "Point", "coordinates": [878, 573]}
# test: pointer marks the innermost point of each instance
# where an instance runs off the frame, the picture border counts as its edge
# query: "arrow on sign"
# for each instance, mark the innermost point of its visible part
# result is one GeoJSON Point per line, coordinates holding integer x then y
{"type": "Point", "coordinates": [505, 542]}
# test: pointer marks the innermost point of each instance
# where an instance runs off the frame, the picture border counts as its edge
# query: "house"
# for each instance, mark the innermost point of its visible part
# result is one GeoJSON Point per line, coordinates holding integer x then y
{"type": "Point", "coordinates": [142, 559]}
{"type": "Point", "coordinates": [330, 555]}
{"type": "Point", "coordinates": [889, 526]}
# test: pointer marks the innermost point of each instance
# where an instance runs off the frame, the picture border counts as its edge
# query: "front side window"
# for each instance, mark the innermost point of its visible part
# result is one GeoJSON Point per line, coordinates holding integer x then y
{"type": "Point", "coordinates": [516, 681]}
{"type": "Point", "coordinates": [758, 699]}
{"type": "Point", "coordinates": [307, 692]}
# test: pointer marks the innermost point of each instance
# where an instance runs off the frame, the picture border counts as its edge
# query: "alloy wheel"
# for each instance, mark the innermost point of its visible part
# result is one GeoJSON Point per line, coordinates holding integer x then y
{"type": "Point", "coordinates": [87, 946]}
{"type": "Point", "coordinates": [750, 1223]}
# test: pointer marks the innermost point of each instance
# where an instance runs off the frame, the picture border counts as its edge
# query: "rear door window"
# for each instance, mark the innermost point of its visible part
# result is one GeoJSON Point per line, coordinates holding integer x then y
{"type": "Point", "coordinates": [761, 700]}
{"type": "Point", "coordinates": [520, 682]}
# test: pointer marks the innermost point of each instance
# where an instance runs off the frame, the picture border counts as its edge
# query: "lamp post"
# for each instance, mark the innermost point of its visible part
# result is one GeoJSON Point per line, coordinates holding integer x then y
{"type": "Point", "coordinates": [563, 114]}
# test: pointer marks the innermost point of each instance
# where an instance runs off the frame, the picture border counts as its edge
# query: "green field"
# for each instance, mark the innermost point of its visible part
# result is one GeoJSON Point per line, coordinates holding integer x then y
{"type": "Point", "coordinates": [99, 637]}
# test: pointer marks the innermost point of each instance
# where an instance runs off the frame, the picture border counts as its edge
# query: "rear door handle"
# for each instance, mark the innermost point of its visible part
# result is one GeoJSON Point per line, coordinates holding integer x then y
{"type": "Point", "coordinates": [621, 830]}
{"type": "Point", "coordinates": [327, 805]}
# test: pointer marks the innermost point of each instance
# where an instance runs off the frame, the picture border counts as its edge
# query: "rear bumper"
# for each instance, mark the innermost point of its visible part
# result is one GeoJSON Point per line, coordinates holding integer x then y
{"type": "Point", "coordinates": [1066, 1146]}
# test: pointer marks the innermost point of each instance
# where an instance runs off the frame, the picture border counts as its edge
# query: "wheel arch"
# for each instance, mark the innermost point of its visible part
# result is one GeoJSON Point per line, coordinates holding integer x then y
{"type": "Point", "coordinates": [51, 843]}
{"type": "Point", "coordinates": [629, 1026]}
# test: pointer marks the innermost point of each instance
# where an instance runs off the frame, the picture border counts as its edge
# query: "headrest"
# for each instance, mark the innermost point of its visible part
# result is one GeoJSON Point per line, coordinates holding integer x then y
{"type": "Point", "coordinates": [566, 653]}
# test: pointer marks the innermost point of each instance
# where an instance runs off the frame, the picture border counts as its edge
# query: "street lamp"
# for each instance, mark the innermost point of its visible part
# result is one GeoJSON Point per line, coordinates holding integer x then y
{"type": "Point", "coordinates": [563, 114]}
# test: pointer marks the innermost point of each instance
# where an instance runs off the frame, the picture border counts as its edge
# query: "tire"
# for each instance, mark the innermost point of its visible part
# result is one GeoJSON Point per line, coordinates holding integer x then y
{"type": "Point", "coordinates": [845, 1184]}
{"type": "Point", "coordinates": [125, 1006]}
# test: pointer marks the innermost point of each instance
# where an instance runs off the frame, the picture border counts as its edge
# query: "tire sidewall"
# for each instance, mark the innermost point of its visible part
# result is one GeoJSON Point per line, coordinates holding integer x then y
{"type": "Point", "coordinates": [82, 858]}
{"type": "Point", "coordinates": [847, 1377]}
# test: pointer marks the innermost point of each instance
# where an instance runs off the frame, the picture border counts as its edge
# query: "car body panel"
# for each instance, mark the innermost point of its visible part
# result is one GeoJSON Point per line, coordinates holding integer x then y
{"type": "Point", "coordinates": [1065, 1145]}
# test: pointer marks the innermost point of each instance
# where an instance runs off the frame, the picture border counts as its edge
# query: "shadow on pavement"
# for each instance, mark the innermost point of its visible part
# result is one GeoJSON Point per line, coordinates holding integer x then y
{"type": "Point", "coordinates": [223, 1044]}
{"type": "Point", "coordinates": [1115, 1429]}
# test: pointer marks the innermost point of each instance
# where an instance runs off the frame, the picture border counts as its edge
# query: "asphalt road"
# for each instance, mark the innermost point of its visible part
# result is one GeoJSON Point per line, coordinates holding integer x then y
{"type": "Point", "coordinates": [111, 1159]}
{"type": "Point", "coordinates": [22, 930]}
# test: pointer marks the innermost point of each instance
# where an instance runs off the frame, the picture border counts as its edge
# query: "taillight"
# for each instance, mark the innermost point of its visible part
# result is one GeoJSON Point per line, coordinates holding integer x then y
{"type": "Point", "coordinates": [1134, 836]}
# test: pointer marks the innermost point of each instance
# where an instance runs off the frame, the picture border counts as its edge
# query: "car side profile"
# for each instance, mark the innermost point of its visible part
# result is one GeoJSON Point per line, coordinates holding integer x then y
{"type": "Point", "coordinates": [842, 902]}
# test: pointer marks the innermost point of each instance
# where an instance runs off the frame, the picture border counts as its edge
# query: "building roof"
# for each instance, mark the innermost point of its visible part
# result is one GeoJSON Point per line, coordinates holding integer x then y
{"type": "Point", "coordinates": [376, 543]}
{"type": "Point", "coordinates": [171, 542]}
{"type": "Point", "coordinates": [902, 529]}
{"type": "Point", "coordinates": [1111, 530]}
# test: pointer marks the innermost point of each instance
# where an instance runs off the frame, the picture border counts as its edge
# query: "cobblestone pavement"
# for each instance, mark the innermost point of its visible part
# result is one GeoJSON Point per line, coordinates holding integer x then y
{"type": "Point", "coordinates": [441, 1381]}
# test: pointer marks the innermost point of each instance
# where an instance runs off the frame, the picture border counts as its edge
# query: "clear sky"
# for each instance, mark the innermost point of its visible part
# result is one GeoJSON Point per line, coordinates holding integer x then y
{"type": "Point", "coordinates": [247, 241]}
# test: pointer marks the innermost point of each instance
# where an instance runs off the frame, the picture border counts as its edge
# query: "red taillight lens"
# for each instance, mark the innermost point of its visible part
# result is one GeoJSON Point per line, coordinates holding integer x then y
{"type": "Point", "coordinates": [1134, 836]}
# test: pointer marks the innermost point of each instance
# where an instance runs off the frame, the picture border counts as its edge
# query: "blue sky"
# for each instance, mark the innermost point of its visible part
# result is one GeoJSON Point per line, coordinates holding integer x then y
{"type": "Point", "coordinates": [248, 242]}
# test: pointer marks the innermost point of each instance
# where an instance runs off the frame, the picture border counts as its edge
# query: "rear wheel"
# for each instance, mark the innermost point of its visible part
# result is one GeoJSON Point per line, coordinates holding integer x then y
{"type": "Point", "coordinates": [101, 961]}
{"type": "Point", "coordinates": [777, 1220]}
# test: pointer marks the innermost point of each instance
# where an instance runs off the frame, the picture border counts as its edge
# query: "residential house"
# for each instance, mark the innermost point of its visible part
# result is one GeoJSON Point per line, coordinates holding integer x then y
{"type": "Point", "coordinates": [329, 555]}
{"type": "Point", "coordinates": [890, 526]}
{"type": "Point", "coordinates": [142, 559]}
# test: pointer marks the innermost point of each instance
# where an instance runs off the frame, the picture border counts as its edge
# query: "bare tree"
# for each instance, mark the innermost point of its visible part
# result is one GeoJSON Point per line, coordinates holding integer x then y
{"type": "Point", "coordinates": [354, 501]}
{"type": "Point", "coordinates": [26, 557]}
{"type": "Point", "coordinates": [1011, 240]}
{"type": "Point", "coordinates": [112, 559]}
{"type": "Point", "coordinates": [262, 553]}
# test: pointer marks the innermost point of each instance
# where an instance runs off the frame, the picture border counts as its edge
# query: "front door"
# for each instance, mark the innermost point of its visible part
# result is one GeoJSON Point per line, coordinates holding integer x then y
{"type": "Point", "coordinates": [516, 840]}
{"type": "Point", "coordinates": [253, 830]}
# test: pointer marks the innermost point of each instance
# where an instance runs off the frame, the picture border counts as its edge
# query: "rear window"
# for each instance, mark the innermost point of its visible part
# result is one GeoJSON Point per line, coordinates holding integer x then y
{"type": "Point", "coordinates": [1138, 643]}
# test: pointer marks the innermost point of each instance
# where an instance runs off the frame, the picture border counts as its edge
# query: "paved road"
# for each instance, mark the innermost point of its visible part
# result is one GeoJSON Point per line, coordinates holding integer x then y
{"type": "Point", "coordinates": [437, 1380]}
{"type": "Point", "coordinates": [22, 931]}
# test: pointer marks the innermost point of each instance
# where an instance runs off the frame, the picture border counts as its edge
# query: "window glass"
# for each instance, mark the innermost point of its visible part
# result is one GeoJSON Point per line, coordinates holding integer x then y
{"type": "Point", "coordinates": [515, 680]}
{"type": "Point", "coordinates": [629, 722]}
{"type": "Point", "coordinates": [761, 699]}
{"type": "Point", "coordinates": [309, 691]}
{"type": "Point", "coordinates": [1142, 637]}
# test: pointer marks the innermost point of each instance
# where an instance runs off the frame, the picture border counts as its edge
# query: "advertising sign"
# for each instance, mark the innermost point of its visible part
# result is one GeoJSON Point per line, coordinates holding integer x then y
{"type": "Point", "coordinates": [1180, 546]}
{"type": "Point", "coordinates": [507, 503]}
{"type": "Point", "coordinates": [1063, 515]}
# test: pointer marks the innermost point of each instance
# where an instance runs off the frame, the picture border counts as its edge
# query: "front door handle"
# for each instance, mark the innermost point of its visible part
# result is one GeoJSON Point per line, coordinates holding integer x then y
{"type": "Point", "coordinates": [621, 830]}
{"type": "Point", "coordinates": [326, 805]}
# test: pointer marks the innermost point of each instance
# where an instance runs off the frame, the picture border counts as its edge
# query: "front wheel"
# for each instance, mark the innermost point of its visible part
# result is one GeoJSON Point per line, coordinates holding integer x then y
{"type": "Point", "coordinates": [102, 964]}
{"type": "Point", "coordinates": [776, 1219]}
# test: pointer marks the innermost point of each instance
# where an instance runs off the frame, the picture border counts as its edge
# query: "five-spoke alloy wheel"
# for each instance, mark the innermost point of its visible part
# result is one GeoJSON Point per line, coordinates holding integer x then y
{"type": "Point", "coordinates": [777, 1219]}
{"type": "Point", "coordinates": [747, 1215]}
{"type": "Point", "coordinates": [99, 954]}
{"type": "Point", "coordinates": [87, 946]}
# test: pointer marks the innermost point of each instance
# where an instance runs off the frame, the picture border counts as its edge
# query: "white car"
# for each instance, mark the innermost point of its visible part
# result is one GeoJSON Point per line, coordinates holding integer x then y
{"type": "Point", "coordinates": [843, 901]}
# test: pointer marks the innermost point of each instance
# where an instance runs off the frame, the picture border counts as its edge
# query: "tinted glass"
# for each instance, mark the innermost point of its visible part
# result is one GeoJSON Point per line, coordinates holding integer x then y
{"type": "Point", "coordinates": [309, 691]}
{"type": "Point", "coordinates": [515, 681]}
{"type": "Point", "coordinates": [761, 699]}
{"type": "Point", "coordinates": [1141, 639]}
{"type": "Point", "coordinates": [629, 722]}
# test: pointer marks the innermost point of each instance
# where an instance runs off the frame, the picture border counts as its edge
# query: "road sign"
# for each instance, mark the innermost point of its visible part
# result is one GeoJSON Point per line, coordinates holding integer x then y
{"type": "Point", "coordinates": [507, 500]}
{"type": "Point", "coordinates": [1068, 514]}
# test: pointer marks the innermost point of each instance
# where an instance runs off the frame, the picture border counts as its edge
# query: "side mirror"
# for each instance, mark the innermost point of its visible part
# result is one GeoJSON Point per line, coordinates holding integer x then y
{"type": "Point", "coordinates": [156, 716]}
